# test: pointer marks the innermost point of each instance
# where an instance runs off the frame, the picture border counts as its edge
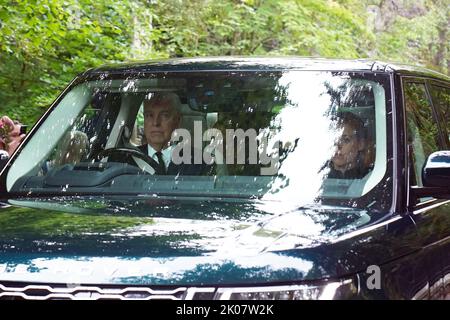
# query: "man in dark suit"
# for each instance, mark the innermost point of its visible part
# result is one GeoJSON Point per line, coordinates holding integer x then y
{"type": "Point", "coordinates": [161, 117]}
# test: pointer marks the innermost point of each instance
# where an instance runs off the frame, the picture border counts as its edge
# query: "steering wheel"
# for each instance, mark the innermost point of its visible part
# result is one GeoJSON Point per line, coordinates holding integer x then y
{"type": "Point", "coordinates": [131, 152]}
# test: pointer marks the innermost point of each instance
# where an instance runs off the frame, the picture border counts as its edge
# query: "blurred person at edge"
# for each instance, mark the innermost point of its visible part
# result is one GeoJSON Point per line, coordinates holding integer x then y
{"type": "Point", "coordinates": [10, 138]}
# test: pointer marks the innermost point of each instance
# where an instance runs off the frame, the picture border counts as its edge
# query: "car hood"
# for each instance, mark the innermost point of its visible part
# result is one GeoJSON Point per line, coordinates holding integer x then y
{"type": "Point", "coordinates": [163, 241]}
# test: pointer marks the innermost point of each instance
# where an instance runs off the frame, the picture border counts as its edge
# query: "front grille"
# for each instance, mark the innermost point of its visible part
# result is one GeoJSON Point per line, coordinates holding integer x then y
{"type": "Point", "coordinates": [19, 291]}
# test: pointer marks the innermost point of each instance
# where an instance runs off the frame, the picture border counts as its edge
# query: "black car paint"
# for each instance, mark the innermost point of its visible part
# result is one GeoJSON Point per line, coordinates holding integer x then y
{"type": "Point", "coordinates": [337, 253]}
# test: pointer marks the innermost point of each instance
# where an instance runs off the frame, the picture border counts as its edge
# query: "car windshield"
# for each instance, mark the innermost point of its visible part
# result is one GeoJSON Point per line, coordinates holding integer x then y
{"type": "Point", "coordinates": [299, 137]}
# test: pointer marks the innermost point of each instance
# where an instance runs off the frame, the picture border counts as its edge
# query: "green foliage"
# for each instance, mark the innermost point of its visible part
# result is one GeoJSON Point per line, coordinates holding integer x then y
{"type": "Point", "coordinates": [416, 39]}
{"type": "Point", "coordinates": [260, 27]}
{"type": "Point", "coordinates": [45, 43]}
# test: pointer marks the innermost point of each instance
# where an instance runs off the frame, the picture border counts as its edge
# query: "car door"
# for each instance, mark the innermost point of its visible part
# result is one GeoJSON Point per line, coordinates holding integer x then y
{"type": "Point", "coordinates": [440, 97]}
{"type": "Point", "coordinates": [426, 133]}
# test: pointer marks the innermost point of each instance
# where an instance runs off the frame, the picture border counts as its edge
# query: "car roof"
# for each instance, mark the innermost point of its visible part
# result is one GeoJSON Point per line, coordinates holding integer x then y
{"type": "Point", "coordinates": [265, 63]}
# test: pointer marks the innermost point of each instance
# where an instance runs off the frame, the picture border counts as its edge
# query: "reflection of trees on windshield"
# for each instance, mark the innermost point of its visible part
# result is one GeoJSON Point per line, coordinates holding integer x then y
{"type": "Point", "coordinates": [246, 106]}
{"type": "Point", "coordinates": [305, 134]}
{"type": "Point", "coordinates": [87, 132]}
{"type": "Point", "coordinates": [236, 92]}
{"type": "Point", "coordinates": [350, 93]}
{"type": "Point", "coordinates": [311, 125]}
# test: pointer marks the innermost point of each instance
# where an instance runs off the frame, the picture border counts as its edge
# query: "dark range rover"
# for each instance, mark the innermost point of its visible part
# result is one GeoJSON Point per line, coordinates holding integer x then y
{"type": "Point", "coordinates": [329, 179]}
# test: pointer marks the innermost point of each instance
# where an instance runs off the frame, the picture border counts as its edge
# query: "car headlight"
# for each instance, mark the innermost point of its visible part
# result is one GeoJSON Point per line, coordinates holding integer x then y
{"type": "Point", "coordinates": [344, 289]}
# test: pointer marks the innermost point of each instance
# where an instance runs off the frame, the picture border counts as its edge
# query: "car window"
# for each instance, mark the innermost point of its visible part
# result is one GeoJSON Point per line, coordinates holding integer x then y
{"type": "Point", "coordinates": [441, 101]}
{"type": "Point", "coordinates": [282, 136]}
{"type": "Point", "coordinates": [423, 132]}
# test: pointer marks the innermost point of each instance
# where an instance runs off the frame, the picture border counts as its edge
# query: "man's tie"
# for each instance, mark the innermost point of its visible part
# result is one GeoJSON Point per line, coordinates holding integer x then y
{"type": "Point", "coordinates": [161, 166]}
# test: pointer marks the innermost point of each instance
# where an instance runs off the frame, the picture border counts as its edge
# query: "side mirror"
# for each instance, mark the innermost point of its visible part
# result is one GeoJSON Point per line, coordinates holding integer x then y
{"type": "Point", "coordinates": [436, 171]}
{"type": "Point", "coordinates": [435, 178]}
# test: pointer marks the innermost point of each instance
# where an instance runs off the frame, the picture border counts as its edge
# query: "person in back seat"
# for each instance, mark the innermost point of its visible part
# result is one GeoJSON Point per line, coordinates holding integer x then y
{"type": "Point", "coordinates": [74, 147]}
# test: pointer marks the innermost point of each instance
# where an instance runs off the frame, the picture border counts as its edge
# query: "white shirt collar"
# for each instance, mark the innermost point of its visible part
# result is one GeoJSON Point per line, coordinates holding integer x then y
{"type": "Point", "coordinates": [166, 154]}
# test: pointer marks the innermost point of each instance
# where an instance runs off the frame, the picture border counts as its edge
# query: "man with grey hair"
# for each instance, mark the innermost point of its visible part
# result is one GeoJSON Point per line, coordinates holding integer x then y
{"type": "Point", "coordinates": [161, 117]}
